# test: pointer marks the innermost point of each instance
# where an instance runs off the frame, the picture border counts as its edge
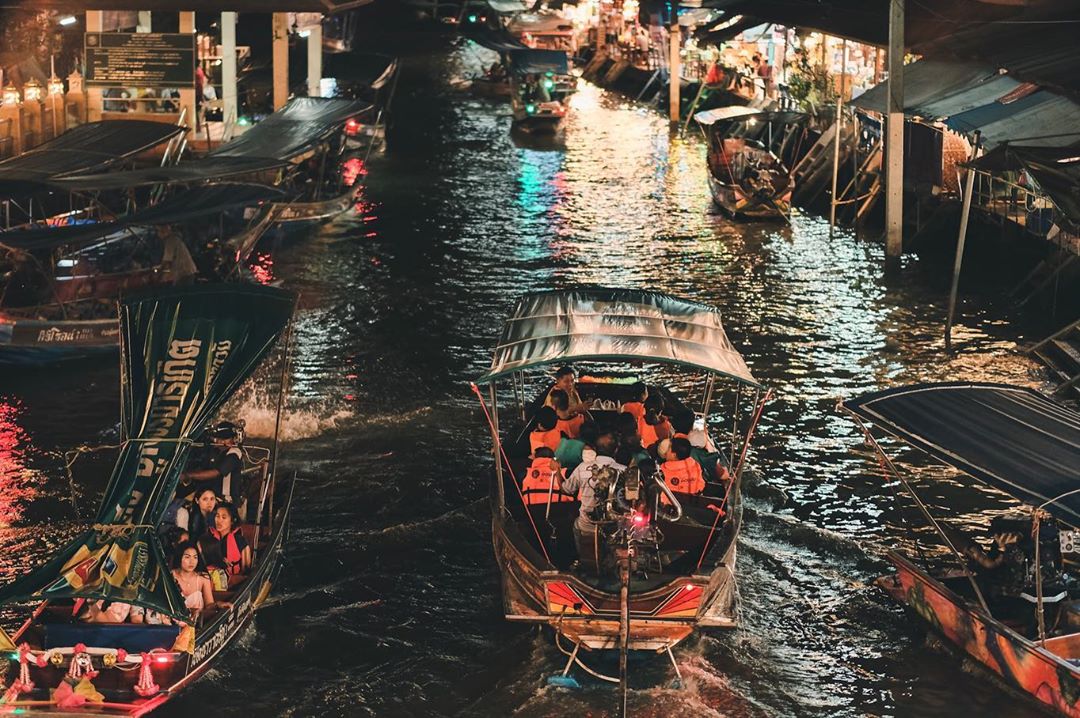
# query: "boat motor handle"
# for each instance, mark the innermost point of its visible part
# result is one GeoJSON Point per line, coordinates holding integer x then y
{"type": "Point", "coordinates": [671, 497]}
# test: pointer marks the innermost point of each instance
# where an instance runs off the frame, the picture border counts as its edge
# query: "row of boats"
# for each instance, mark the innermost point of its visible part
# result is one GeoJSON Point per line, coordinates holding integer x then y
{"type": "Point", "coordinates": [87, 216]}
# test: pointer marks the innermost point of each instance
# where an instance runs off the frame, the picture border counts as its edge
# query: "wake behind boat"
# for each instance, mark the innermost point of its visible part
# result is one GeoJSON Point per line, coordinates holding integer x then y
{"type": "Point", "coordinates": [184, 353]}
{"type": "Point", "coordinates": [651, 555]}
{"type": "Point", "coordinates": [1013, 606]}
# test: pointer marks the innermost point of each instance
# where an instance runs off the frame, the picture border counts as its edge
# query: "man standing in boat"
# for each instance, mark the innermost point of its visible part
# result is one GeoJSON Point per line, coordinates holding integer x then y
{"type": "Point", "coordinates": [223, 475]}
{"type": "Point", "coordinates": [589, 483]}
{"type": "Point", "coordinates": [566, 380]}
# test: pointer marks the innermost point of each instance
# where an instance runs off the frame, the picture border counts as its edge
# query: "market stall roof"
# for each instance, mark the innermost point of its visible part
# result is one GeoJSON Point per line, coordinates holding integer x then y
{"type": "Point", "coordinates": [1011, 438]}
{"type": "Point", "coordinates": [971, 97]}
{"type": "Point", "coordinates": [538, 62]}
{"type": "Point", "coordinates": [187, 206]}
{"type": "Point", "coordinates": [1055, 169]}
{"type": "Point", "coordinates": [599, 324]}
{"type": "Point", "coordinates": [92, 147]}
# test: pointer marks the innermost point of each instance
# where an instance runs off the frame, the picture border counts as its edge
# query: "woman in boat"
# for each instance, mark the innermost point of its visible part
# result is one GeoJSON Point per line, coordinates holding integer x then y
{"type": "Point", "coordinates": [196, 516]}
{"type": "Point", "coordinates": [235, 551]}
{"type": "Point", "coordinates": [654, 426]}
{"type": "Point", "coordinates": [190, 575]}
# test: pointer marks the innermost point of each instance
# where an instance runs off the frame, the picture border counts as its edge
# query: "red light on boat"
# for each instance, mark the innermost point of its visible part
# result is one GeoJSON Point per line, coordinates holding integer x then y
{"type": "Point", "coordinates": [352, 126]}
{"type": "Point", "coordinates": [639, 519]}
{"type": "Point", "coordinates": [162, 659]}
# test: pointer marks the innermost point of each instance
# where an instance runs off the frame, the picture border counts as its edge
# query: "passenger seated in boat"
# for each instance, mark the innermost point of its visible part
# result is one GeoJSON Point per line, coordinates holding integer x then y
{"type": "Point", "coordinates": [105, 612]}
{"type": "Point", "coordinates": [546, 432]}
{"type": "Point", "coordinates": [570, 451]}
{"type": "Point", "coordinates": [235, 551]}
{"type": "Point", "coordinates": [565, 379]}
{"type": "Point", "coordinates": [654, 425]}
{"type": "Point", "coordinates": [223, 476]}
{"type": "Point", "coordinates": [636, 407]}
{"type": "Point", "coordinates": [569, 423]}
{"type": "Point", "coordinates": [1002, 568]}
{"type": "Point", "coordinates": [543, 478]}
{"type": "Point", "coordinates": [630, 448]}
{"type": "Point", "coordinates": [681, 472]}
{"type": "Point", "coordinates": [190, 575]}
{"type": "Point", "coordinates": [712, 465]}
{"type": "Point", "coordinates": [197, 514]}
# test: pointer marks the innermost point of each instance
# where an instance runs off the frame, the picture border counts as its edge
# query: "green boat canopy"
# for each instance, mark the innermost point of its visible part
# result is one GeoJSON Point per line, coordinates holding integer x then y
{"type": "Point", "coordinates": [183, 354]}
{"type": "Point", "coordinates": [598, 324]}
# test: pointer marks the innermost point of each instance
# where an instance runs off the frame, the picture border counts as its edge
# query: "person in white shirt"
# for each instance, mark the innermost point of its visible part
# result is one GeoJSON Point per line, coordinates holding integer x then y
{"type": "Point", "coordinates": [583, 484]}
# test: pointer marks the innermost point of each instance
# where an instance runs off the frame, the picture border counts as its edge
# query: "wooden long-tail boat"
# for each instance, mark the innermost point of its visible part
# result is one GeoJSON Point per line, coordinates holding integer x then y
{"type": "Point", "coordinates": [1012, 609]}
{"type": "Point", "coordinates": [540, 85]}
{"type": "Point", "coordinates": [184, 353]}
{"type": "Point", "coordinates": [659, 572]}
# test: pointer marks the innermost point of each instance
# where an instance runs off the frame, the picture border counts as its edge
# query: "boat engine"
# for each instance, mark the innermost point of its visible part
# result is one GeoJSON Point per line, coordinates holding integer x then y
{"type": "Point", "coordinates": [628, 516]}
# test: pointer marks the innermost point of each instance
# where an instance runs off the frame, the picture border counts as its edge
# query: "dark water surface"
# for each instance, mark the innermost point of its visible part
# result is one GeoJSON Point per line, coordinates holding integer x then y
{"type": "Point", "coordinates": [391, 602]}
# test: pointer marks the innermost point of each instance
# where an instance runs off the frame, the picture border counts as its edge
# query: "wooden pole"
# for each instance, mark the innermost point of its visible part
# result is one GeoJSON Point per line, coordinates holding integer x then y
{"type": "Point", "coordinates": [836, 159]}
{"type": "Point", "coordinates": [894, 140]}
{"type": "Point", "coordinates": [969, 190]}
{"type": "Point", "coordinates": [674, 70]}
{"type": "Point", "coordinates": [281, 59]}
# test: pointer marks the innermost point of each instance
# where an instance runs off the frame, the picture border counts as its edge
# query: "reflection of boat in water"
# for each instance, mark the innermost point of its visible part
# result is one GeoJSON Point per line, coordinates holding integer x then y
{"type": "Point", "coordinates": [746, 179]}
{"type": "Point", "coordinates": [663, 561]}
{"type": "Point", "coordinates": [184, 354]}
{"type": "Point", "coordinates": [540, 85]}
{"type": "Point", "coordinates": [1011, 608]}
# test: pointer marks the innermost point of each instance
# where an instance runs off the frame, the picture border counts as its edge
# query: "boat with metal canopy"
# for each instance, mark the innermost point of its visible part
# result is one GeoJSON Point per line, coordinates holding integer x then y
{"type": "Point", "coordinates": [746, 179]}
{"type": "Point", "coordinates": [185, 352]}
{"type": "Point", "coordinates": [1013, 608]}
{"type": "Point", "coordinates": [664, 561]}
{"type": "Point", "coordinates": [540, 84]}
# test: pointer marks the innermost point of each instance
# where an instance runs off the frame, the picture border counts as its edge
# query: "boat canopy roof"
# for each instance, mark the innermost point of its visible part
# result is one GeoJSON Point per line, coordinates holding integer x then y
{"type": "Point", "coordinates": [731, 112]}
{"type": "Point", "coordinates": [1012, 438]}
{"type": "Point", "coordinates": [184, 352]}
{"type": "Point", "coordinates": [599, 324]}
{"type": "Point", "coordinates": [538, 62]}
{"type": "Point", "coordinates": [497, 40]}
{"type": "Point", "coordinates": [92, 147]}
{"type": "Point", "coordinates": [367, 69]}
{"type": "Point", "coordinates": [185, 206]}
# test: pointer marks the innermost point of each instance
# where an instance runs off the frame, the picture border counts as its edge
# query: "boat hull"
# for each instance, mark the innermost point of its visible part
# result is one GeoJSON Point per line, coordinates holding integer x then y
{"type": "Point", "coordinates": [35, 342]}
{"type": "Point", "coordinates": [317, 211]}
{"type": "Point", "coordinates": [738, 204]}
{"type": "Point", "coordinates": [1021, 664]}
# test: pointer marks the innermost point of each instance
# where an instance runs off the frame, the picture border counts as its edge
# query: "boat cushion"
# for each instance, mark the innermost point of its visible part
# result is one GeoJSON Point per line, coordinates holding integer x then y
{"type": "Point", "coordinates": [132, 637]}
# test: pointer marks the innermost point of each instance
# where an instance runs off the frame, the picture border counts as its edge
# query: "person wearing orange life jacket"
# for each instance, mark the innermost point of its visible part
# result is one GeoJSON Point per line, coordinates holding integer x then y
{"type": "Point", "coordinates": [546, 432]}
{"type": "Point", "coordinates": [543, 478]}
{"type": "Point", "coordinates": [565, 381]}
{"type": "Point", "coordinates": [654, 426]}
{"type": "Point", "coordinates": [636, 406]}
{"type": "Point", "coordinates": [569, 423]}
{"type": "Point", "coordinates": [235, 550]}
{"type": "Point", "coordinates": [681, 472]}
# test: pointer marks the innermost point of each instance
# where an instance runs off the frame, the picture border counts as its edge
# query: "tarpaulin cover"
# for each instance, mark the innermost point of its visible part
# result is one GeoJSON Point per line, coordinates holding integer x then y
{"type": "Point", "coordinates": [91, 147]}
{"type": "Point", "coordinates": [1055, 169]}
{"type": "Point", "coordinates": [932, 83]}
{"type": "Point", "coordinates": [539, 62]}
{"type": "Point", "coordinates": [296, 128]}
{"type": "Point", "coordinates": [708, 117]}
{"type": "Point", "coordinates": [497, 40]}
{"type": "Point", "coordinates": [185, 206]}
{"type": "Point", "coordinates": [1042, 119]}
{"type": "Point", "coordinates": [184, 352]}
{"type": "Point", "coordinates": [1011, 438]}
{"type": "Point", "coordinates": [509, 7]}
{"type": "Point", "coordinates": [367, 69]}
{"type": "Point", "coordinates": [199, 170]}
{"type": "Point", "coordinates": [614, 325]}
{"type": "Point", "coordinates": [544, 23]}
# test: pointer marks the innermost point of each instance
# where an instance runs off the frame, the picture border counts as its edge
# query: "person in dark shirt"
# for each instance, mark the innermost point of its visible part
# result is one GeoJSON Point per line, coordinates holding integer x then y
{"type": "Point", "coordinates": [223, 476]}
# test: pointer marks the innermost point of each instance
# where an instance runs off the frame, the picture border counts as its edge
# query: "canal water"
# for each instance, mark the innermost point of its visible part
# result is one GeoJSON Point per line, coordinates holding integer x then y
{"type": "Point", "coordinates": [390, 604]}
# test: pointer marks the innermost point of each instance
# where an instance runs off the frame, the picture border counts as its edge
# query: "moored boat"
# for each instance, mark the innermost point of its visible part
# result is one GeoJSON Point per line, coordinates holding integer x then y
{"type": "Point", "coordinates": [1012, 608]}
{"type": "Point", "coordinates": [540, 85]}
{"type": "Point", "coordinates": [745, 178]}
{"type": "Point", "coordinates": [184, 353]}
{"type": "Point", "coordinates": [663, 561]}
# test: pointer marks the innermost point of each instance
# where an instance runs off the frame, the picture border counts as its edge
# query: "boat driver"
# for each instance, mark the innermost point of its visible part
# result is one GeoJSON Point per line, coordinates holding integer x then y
{"type": "Point", "coordinates": [565, 380]}
{"type": "Point", "coordinates": [584, 483]}
{"type": "Point", "coordinates": [223, 475]}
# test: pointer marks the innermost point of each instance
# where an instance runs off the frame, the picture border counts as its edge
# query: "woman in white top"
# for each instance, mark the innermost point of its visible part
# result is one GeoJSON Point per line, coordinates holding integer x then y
{"type": "Point", "coordinates": [194, 584]}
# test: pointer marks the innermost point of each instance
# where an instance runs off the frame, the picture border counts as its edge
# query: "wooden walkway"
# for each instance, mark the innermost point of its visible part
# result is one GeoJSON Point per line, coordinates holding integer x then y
{"type": "Point", "coordinates": [1060, 352]}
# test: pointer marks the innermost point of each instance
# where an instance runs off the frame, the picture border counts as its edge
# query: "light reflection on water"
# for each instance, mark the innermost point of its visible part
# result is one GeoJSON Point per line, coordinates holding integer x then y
{"type": "Point", "coordinates": [391, 606]}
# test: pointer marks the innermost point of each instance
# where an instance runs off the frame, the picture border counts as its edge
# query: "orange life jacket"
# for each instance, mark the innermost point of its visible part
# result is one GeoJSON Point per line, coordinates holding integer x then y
{"type": "Point", "coordinates": [230, 547]}
{"type": "Point", "coordinates": [537, 482]}
{"type": "Point", "coordinates": [549, 439]}
{"type": "Point", "coordinates": [636, 408]}
{"type": "Point", "coordinates": [652, 433]}
{"type": "Point", "coordinates": [571, 427]}
{"type": "Point", "coordinates": [683, 475]}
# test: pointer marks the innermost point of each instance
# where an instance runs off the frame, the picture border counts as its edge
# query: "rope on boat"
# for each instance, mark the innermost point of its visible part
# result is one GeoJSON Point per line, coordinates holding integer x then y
{"type": "Point", "coordinates": [580, 664]}
{"type": "Point", "coordinates": [506, 460]}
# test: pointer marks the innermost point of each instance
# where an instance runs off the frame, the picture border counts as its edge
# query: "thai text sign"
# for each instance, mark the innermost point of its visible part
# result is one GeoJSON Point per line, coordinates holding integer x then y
{"type": "Point", "coordinates": [140, 59]}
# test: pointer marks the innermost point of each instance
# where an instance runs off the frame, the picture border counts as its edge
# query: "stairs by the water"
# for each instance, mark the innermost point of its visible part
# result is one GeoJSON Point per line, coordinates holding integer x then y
{"type": "Point", "coordinates": [1060, 352]}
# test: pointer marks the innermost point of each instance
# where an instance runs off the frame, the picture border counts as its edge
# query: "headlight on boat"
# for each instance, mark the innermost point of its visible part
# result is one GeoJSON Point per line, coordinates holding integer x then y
{"type": "Point", "coordinates": [108, 660]}
{"type": "Point", "coordinates": [57, 659]}
{"type": "Point", "coordinates": [530, 108]}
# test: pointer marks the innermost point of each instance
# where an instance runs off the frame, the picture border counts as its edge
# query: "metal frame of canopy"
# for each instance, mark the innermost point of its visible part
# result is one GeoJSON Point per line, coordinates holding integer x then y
{"type": "Point", "coordinates": [958, 455]}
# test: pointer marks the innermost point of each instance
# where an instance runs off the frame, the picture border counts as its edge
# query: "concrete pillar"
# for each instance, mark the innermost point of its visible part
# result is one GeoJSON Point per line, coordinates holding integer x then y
{"type": "Point", "coordinates": [145, 23]}
{"type": "Point", "coordinates": [281, 59]}
{"type": "Point", "coordinates": [95, 103]}
{"type": "Point", "coordinates": [674, 70]}
{"type": "Point", "coordinates": [228, 66]}
{"type": "Point", "coordinates": [314, 61]}
{"type": "Point", "coordinates": [13, 114]}
{"type": "Point", "coordinates": [894, 139]}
